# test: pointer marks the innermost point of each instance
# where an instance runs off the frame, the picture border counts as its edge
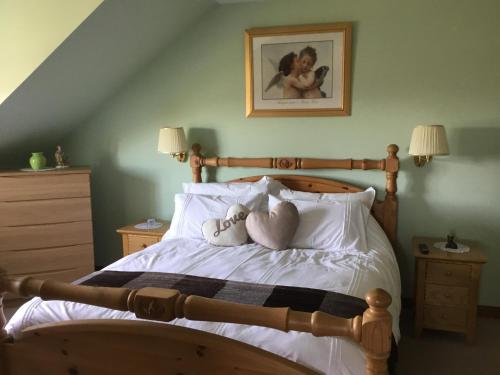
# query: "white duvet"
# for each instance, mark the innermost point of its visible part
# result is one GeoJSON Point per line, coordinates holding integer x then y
{"type": "Point", "coordinates": [349, 272]}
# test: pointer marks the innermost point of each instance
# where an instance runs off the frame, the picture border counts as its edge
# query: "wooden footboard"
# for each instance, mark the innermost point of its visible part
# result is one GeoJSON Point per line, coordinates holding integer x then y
{"type": "Point", "coordinates": [131, 347]}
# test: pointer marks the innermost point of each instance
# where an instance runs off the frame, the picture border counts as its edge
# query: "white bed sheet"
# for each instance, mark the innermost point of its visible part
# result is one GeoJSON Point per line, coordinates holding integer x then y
{"type": "Point", "coordinates": [349, 272]}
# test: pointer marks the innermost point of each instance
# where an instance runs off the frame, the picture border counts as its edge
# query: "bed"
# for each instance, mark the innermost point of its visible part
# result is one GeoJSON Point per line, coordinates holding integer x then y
{"type": "Point", "coordinates": [109, 332]}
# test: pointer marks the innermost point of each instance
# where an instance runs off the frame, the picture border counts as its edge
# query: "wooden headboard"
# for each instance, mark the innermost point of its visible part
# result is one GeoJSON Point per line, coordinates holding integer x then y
{"type": "Point", "coordinates": [385, 211]}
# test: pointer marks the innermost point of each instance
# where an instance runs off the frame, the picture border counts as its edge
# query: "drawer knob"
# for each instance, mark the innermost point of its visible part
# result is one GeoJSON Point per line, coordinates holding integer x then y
{"type": "Point", "coordinates": [443, 316]}
{"type": "Point", "coordinates": [447, 295]}
{"type": "Point", "coordinates": [448, 273]}
{"type": "Point", "coordinates": [144, 245]}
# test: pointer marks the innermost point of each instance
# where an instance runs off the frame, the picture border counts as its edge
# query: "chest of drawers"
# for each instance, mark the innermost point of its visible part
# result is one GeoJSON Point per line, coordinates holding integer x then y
{"type": "Point", "coordinates": [446, 288]}
{"type": "Point", "coordinates": [46, 224]}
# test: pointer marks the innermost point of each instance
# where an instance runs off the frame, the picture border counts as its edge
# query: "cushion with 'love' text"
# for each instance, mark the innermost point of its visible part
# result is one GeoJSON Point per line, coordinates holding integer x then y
{"type": "Point", "coordinates": [230, 231]}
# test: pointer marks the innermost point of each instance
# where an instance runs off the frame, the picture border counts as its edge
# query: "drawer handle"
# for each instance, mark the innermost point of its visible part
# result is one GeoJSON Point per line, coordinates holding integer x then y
{"type": "Point", "coordinates": [448, 273]}
{"type": "Point", "coordinates": [447, 295]}
{"type": "Point", "coordinates": [144, 245]}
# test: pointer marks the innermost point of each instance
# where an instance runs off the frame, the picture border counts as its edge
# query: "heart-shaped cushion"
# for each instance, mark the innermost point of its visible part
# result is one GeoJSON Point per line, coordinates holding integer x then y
{"type": "Point", "coordinates": [230, 231]}
{"type": "Point", "coordinates": [276, 229]}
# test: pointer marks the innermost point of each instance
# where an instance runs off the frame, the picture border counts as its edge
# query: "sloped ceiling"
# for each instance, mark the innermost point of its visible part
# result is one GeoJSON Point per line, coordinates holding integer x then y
{"type": "Point", "coordinates": [98, 58]}
{"type": "Point", "coordinates": [30, 30]}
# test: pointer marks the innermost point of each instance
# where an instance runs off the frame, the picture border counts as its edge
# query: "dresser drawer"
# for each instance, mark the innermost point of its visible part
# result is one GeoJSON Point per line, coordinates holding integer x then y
{"type": "Point", "coordinates": [137, 243]}
{"type": "Point", "coordinates": [26, 262]}
{"type": "Point", "coordinates": [45, 236]}
{"type": "Point", "coordinates": [446, 295]}
{"type": "Point", "coordinates": [448, 273]}
{"type": "Point", "coordinates": [45, 211]}
{"type": "Point", "coordinates": [25, 188]}
{"type": "Point", "coordinates": [66, 275]}
{"type": "Point", "coordinates": [448, 318]}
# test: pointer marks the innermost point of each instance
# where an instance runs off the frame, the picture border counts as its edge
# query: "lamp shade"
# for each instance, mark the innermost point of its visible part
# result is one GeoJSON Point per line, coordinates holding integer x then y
{"type": "Point", "coordinates": [172, 141]}
{"type": "Point", "coordinates": [428, 140]}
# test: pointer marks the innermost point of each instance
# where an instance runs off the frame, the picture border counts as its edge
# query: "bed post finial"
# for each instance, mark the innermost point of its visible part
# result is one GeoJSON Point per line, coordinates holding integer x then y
{"type": "Point", "coordinates": [376, 332]}
{"type": "Point", "coordinates": [195, 161]}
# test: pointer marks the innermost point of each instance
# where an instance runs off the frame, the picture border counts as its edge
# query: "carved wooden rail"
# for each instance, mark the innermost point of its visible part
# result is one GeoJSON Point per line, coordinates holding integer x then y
{"type": "Point", "coordinates": [389, 164]}
{"type": "Point", "coordinates": [372, 330]}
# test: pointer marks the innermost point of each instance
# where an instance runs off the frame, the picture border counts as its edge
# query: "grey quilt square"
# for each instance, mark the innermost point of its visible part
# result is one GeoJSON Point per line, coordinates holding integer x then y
{"type": "Point", "coordinates": [243, 293]}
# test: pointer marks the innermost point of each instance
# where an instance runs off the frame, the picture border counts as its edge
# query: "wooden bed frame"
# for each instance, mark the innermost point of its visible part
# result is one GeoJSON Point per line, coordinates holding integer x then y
{"type": "Point", "coordinates": [132, 347]}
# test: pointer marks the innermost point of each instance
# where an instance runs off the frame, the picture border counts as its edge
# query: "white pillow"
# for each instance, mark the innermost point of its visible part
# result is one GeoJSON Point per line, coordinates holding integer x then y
{"type": "Point", "coordinates": [329, 225]}
{"type": "Point", "coordinates": [367, 196]}
{"type": "Point", "coordinates": [264, 186]}
{"type": "Point", "coordinates": [192, 210]}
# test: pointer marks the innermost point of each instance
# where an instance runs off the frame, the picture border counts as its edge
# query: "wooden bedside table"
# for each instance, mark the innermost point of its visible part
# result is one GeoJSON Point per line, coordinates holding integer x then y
{"type": "Point", "coordinates": [138, 239]}
{"type": "Point", "coordinates": [446, 287]}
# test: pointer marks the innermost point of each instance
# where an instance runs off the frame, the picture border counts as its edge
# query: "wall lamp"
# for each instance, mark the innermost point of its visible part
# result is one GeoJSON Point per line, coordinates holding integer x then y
{"type": "Point", "coordinates": [173, 141]}
{"type": "Point", "coordinates": [428, 141]}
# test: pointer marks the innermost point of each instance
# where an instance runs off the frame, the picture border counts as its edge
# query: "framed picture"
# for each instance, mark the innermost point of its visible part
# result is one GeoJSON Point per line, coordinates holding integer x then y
{"type": "Point", "coordinates": [298, 70]}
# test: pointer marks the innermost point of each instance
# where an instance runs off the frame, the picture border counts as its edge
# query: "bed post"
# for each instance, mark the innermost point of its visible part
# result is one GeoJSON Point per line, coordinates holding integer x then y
{"type": "Point", "coordinates": [376, 332]}
{"type": "Point", "coordinates": [391, 201]}
{"type": "Point", "coordinates": [195, 161]}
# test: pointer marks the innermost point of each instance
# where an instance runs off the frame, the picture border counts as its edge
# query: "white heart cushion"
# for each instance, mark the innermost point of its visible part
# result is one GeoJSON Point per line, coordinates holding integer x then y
{"type": "Point", "coordinates": [230, 231]}
{"type": "Point", "coordinates": [275, 229]}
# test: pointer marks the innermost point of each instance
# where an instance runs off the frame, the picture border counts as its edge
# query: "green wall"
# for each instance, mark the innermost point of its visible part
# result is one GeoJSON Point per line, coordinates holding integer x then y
{"type": "Point", "coordinates": [414, 63]}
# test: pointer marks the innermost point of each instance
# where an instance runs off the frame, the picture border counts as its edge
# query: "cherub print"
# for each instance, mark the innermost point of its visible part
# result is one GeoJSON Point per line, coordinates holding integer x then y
{"type": "Point", "coordinates": [297, 70]}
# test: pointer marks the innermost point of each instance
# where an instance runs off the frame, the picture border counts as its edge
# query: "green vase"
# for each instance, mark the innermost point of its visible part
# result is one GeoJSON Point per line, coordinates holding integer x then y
{"type": "Point", "coordinates": [38, 161]}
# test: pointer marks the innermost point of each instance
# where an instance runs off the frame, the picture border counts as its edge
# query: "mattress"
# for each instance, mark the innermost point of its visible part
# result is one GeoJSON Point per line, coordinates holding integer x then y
{"type": "Point", "coordinates": [350, 272]}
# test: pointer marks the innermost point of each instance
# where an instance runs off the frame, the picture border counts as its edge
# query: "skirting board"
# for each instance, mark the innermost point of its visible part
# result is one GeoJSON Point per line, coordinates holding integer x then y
{"type": "Point", "coordinates": [483, 311]}
{"type": "Point", "coordinates": [488, 311]}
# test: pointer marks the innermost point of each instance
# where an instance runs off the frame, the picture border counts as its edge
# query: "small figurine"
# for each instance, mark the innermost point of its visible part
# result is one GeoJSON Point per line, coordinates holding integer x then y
{"type": "Point", "coordinates": [59, 155]}
{"type": "Point", "coordinates": [450, 244]}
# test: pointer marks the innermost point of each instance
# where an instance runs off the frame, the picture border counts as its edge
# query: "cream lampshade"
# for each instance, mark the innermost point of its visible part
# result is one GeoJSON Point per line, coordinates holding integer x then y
{"type": "Point", "coordinates": [173, 141]}
{"type": "Point", "coordinates": [427, 141]}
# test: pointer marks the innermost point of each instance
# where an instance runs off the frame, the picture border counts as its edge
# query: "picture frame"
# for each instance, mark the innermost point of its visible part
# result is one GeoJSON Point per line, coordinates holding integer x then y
{"type": "Point", "coordinates": [298, 70]}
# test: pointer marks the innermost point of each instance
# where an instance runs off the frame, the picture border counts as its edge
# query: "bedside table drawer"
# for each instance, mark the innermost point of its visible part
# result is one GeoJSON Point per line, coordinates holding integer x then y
{"type": "Point", "coordinates": [450, 318]}
{"type": "Point", "coordinates": [448, 274]}
{"type": "Point", "coordinates": [446, 295]}
{"type": "Point", "coordinates": [135, 239]}
{"type": "Point", "coordinates": [137, 243]}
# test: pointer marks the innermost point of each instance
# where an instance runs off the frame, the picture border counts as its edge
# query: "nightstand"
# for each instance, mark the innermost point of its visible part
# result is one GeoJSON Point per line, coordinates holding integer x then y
{"type": "Point", "coordinates": [446, 287]}
{"type": "Point", "coordinates": [138, 239]}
